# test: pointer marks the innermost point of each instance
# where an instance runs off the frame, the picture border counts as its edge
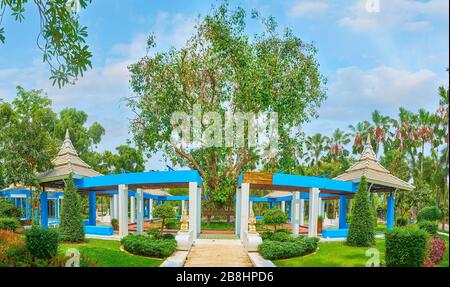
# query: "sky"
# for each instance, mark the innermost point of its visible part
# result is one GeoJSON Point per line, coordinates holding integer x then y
{"type": "Point", "coordinates": [375, 54]}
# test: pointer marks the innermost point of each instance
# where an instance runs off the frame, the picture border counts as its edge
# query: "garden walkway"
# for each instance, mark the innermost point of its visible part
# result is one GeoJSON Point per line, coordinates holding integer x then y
{"type": "Point", "coordinates": [218, 253]}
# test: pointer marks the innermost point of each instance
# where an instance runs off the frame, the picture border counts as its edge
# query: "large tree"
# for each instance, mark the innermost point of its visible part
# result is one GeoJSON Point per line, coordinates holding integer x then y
{"type": "Point", "coordinates": [61, 38]}
{"type": "Point", "coordinates": [223, 69]}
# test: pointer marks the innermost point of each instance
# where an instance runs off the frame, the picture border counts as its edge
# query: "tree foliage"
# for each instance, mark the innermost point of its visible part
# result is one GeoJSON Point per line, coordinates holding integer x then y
{"type": "Point", "coordinates": [274, 217]}
{"type": "Point", "coordinates": [362, 228]}
{"type": "Point", "coordinates": [61, 38]}
{"type": "Point", "coordinates": [163, 211]}
{"type": "Point", "coordinates": [71, 227]}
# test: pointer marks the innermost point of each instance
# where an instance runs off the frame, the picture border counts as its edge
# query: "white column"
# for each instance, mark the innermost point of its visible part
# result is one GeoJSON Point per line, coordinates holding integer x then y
{"type": "Point", "coordinates": [193, 208]}
{"type": "Point", "coordinates": [111, 207]}
{"type": "Point", "coordinates": [313, 211]}
{"type": "Point", "coordinates": [140, 210]}
{"type": "Point", "coordinates": [320, 206]}
{"type": "Point", "coordinates": [302, 212]}
{"type": "Point", "coordinates": [237, 219]}
{"type": "Point", "coordinates": [123, 210]}
{"type": "Point", "coordinates": [199, 210]}
{"type": "Point", "coordinates": [132, 209]}
{"type": "Point", "coordinates": [322, 209]}
{"type": "Point", "coordinates": [116, 206]}
{"type": "Point", "coordinates": [245, 194]}
{"type": "Point", "coordinates": [295, 212]}
{"type": "Point", "coordinates": [150, 209]}
{"type": "Point", "coordinates": [250, 206]}
{"type": "Point", "coordinates": [283, 206]}
{"type": "Point", "coordinates": [183, 206]}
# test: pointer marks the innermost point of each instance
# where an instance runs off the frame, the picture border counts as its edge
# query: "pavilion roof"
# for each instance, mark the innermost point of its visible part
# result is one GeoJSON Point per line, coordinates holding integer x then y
{"type": "Point", "coordinates": [65, 163]}
{"type": "Point", "coordinates": [369, 167]}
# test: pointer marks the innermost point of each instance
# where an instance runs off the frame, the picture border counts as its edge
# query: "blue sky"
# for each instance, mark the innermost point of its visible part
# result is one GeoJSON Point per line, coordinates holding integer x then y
{"type": "Point", "coordinates": [373, 60]}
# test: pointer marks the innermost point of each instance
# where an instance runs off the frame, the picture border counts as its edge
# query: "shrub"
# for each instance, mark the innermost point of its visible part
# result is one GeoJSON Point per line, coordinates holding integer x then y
{"type": "Point", "coordinates": [429, 226]}
{"type": "Point", "coordinates": [401, 221]}
{"type": "Point", "coordinates": [281, 236]}
{"type": "Point", "coordinates": [147, 246]}
{"type": "Point", "coordinates": [171, 225]}
{"type": "Point", "coordinates": [266, 235]}
{"type": "Point", "coordinates": [299, 246]}
{"type": "Point", "coordinates": [13, 252]}
{"type": "Point", "coordinates": [362, 228]}
{"type": "Point", "coordinates": [274, 217]}
{"type": "Point", "coordinates": [155, 233]}
{"type": "Point", "coordinates": [436, 252]}
{"type": "Point", "coordinates": [42, 243]}
{"type": "Point", "coordinates": [71, 227]}
{"type": "Point", "coordinates": [430, 213]}
{"type": "Point", "coordinates": [163, 211]}
{"type": "Point", "coordinates": [405, 247]}
{"type": "Point", "coordinates": [8, 209]}
{"type": "Point", "coordinates": [9, 223]}
{"type": "Point", "coordinates": [168, 236]}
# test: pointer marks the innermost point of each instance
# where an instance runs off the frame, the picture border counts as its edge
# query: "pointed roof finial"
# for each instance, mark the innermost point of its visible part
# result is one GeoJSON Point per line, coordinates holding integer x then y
{"type": "Point", "coordinates": [368, 139]}
{"type": "Point", "coordinates": [368, 152]}
{"type": "Point", "coordinates": [67, 137]}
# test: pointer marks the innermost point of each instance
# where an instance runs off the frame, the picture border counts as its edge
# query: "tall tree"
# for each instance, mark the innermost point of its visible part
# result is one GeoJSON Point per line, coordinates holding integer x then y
{"type": "Point", "coordinates": [316, 147]}
{"type": "Point", "coordinates": [61, 38]}
{"type": "Point", "coordinates": [222, 69]}
{"type": "Point", "coordinates": [359, 133]}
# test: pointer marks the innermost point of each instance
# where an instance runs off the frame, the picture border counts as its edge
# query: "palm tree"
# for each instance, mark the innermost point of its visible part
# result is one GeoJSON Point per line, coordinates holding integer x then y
{"type": "Point", "coordinates": [316, 146]}
{"type": "Point", "coordinates": [359, 133]}
{"type": "Point", "coordinates": [381, 129]}
{"type": "Point", "coordinates": [337, 144]}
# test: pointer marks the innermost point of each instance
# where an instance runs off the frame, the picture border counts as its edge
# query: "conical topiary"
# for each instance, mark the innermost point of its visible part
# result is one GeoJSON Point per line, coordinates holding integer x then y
{"type": "Point", "coordinates": [362, 229]}
{"type": "Point", "coordinates": [71, 227]}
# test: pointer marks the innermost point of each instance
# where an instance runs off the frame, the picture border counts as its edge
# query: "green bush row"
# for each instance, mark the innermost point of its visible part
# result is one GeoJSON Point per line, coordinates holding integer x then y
{"type": "Point", "coordinates": [294, 247]}
{"type": "Point", "coordinates": [406, 247]}
{"type": "Point", "coordinates": [147, 246]}
{"type": "Point", "coordinates": [429, 226]}
{"type": "Point", "coordinates": [9, 223]}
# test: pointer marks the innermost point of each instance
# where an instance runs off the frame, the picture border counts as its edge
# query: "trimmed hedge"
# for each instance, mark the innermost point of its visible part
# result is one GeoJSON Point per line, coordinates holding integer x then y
{"type": "Point", "coordinates": [430, 213]}
{"type": "Point", "coordinates": [146, 246]}
{"type": "Point", "coordinates": [401, 221]}
{"type": "Point", "coordinates": [9, 223]}
{"type": "Point", "coordinates": [362, 228]}
{"type": "Point", "coordinates": [42, 243]}
{"type": "Point", "coordinates": [429, 226]}
{"type": "Point", "coordinates": [295, 247]}
{"type": "Point", "coordinates": [405, 247]}
{"type": "Point", "coordinates": [71, 226]}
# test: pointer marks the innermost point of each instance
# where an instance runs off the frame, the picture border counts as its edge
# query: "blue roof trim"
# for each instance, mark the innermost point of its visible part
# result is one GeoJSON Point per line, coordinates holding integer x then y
{"type": "Point", "coordinates": [313, 182]}
{"type": "Point", "coordinates": [154, 177]}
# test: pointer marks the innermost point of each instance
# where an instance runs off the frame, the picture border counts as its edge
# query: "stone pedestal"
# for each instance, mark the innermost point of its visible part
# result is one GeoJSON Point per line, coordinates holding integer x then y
{"type": "Point", "coordinates": [184, 240]}
{"type": "Point", "coordinates": [251, 241]}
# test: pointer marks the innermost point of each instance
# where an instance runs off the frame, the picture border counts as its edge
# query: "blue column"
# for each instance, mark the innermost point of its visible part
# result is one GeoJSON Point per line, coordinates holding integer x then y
{"type": "Point", "coordinates": [92, 208]}
{"type": "Point", "coordinates": [390, 212]}
{"type": "Point", "coordinates": [270, 205]}
{"type": "Point", "coordinates": [343, 212]}
{"type": "Point", "coordinates": [57, 207]}
{"type": "Point", "coordinates": [44, 210]}
{"type": "Point", "coordinates": [28, 208]}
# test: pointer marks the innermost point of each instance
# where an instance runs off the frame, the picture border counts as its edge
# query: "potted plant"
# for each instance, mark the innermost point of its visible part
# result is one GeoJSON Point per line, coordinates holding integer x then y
{"type": "Point", "coordinates": [319, 224]}
{"type": "Point", "coordinates": [115, 224]}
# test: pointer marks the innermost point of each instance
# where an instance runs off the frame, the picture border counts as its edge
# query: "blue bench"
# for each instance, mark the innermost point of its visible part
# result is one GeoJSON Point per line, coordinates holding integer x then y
{"type": "Point", "coordinates": [334, 233]}
{"type": "Point", "coordinates": [98, 230]}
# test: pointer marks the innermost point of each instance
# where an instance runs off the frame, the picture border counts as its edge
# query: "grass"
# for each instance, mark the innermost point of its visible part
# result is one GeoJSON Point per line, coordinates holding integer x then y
{"type": "Point", "coordinates": [333, 254]}
{"type": "Point", "coordinates": [217, 225]}
{"type": "Point", "coordinates": [107, 254]}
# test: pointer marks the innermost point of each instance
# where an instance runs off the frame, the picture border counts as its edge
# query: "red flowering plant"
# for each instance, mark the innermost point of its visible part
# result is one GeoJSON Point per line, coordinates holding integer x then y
{"type": "Point", "coordinates": [436, 252]}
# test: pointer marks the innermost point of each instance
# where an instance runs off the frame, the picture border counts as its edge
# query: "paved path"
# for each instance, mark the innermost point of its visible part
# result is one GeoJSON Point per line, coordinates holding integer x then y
{"type": "Point", "coordinates": [218, 253]}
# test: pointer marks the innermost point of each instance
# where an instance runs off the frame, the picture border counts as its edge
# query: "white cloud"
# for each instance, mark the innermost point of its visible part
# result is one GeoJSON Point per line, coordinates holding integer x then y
{"type": "Point", "coordinates": [404, 14]}
{"type": "Point", "coordinates": [309, 8]}
{"type": "Point", "coordinates": [355, 93]}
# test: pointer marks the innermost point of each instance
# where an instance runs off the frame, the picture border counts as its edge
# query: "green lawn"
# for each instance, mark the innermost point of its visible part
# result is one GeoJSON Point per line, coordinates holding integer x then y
{"type": "Point", "coordinates": [333, 254]}
{"type": "Point", "coordinates": [107, 254]}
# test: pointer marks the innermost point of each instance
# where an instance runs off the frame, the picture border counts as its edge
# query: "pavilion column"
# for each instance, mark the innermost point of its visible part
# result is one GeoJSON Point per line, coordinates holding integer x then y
{"type": "Point", "coordinates": [116, 206]}
{"type": "Point", "coordinates": [343, 212]}
{"type": "Point", "coordinates": [313, 211]}
{"type": "Point", "coordinates": [245, 196]}
{"type": "Point", "coordinates": [390, 212]}
{"type": "Point", "coordinates": [28, 208]}
{"type": "Point", "coordinates": [237, 218]}
{"type": "Point", "coordinates": [320, 206]}
{"type": "Point", "coordinates": [183, 206]}
{"type": "Point", "coordinates": [150, 209]}
{"type": "Point", "coordinates": [132, 209]}
{"type": "Point", "coordinates": [302, 212]}
{"type": "Point", "coordinates": [123, 210]}
{"type": "Point", "coordinates": [44, 209]}
{"type": "Point", "coordinates": [92, 208]}
{"type": "Point", "coordinates": [193, 212]}
{"type": "Point", "coordinates": [199, 210]}
{"type": "Point", "coordinates": [111, 207]}
{"type": "Point", "coordinates": [140, 210]}
{"type": "Point", "coordinates": [295, 212]}
{"type": "Point", "coordinates": [322, 209]}
{"type": "Point", "coordinates": [283, 206]}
